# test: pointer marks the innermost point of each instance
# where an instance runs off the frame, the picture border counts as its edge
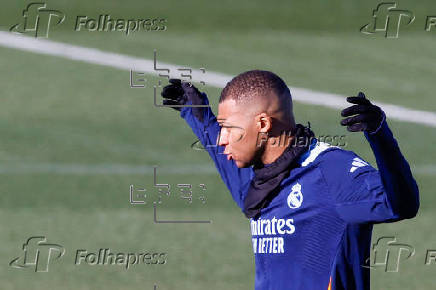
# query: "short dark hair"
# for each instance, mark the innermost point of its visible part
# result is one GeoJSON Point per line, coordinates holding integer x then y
{"type": "Point", "coordinates": [250, 84]}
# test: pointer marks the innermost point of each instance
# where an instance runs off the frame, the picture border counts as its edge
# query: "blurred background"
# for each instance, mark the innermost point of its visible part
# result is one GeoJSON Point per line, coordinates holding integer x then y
{"type": "Point", "coordinates": [75, 136]}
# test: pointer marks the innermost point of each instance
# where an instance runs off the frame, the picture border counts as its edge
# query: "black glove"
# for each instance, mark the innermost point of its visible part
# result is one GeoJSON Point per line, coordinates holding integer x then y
{"type": "Point", "coordinates": [179, 93]}
{"type": "Point", "coordinates": [369, 117]}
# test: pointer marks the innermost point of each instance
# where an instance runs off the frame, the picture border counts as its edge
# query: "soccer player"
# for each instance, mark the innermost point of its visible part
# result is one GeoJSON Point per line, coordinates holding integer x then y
{"type": "Point", "coordinates": [311, 205]}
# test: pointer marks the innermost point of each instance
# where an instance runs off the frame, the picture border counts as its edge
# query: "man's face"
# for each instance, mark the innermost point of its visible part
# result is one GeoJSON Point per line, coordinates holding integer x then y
{"type": "Point", "coordinates": [238, 134]}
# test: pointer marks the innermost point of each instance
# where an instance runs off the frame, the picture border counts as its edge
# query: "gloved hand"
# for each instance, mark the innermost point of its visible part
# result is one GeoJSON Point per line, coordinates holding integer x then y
{"type": "Point", "coordinates": [369, 117]}
{"type": "Point", "coordinates": [179, 93]}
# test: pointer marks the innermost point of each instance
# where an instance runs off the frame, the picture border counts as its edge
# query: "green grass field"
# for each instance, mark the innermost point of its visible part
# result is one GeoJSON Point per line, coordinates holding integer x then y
{"type": "Point", "coordinates": [66, 124]}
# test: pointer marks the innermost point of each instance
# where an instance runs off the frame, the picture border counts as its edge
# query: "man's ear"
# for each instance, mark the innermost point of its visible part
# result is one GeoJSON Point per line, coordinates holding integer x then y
{"type": "Point", "coordinates": [263, 123]}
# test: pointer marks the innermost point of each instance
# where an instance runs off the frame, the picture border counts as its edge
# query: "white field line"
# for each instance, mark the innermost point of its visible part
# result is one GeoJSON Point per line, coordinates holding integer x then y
{"type": "Point", "coordinates": [129, 169]}
{"type": "Point", "coordinates": [104, 168]}
{"type": "Point", "coordinates": [215, 79]}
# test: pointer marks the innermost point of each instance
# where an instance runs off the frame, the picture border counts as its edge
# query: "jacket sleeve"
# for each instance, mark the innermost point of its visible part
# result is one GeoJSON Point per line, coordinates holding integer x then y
{"type": "Point", "coordinates": [363, 194]}
{"type": "Point", "coordinates": [207, 131]}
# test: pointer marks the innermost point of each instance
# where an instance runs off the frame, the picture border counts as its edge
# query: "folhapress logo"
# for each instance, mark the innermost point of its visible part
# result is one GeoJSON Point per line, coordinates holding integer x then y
{"type": "Point", "coordinates": [388, 254]}
{"type": "Point", "coordinates": [37, 20]}
{"type": "Point", "coordinates": [37, 254]}
{"type": "Point", "coordinates": [388, 19]}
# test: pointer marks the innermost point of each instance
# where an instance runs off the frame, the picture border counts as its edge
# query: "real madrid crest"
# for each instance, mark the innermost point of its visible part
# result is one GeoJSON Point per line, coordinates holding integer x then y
{"type": "Point", "coordinates": [295, 198]}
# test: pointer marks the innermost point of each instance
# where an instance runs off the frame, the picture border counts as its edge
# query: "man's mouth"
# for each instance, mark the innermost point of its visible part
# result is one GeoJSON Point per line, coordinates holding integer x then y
{"type": "Point", "coordinates": [229, 157]}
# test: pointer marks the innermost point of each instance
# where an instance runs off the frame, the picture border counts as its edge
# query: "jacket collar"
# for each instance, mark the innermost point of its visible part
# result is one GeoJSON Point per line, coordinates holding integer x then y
{"type": "Point", "coordinates": [267, 178]}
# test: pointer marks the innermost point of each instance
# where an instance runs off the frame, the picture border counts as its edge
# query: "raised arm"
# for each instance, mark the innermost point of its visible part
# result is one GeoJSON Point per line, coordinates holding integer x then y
{"type": "Point", "coordinates": [362, 193]}
{"type": "Point", "coordinates": [205, 126]}
{"type": "Point", "coordinates": [400, 186]}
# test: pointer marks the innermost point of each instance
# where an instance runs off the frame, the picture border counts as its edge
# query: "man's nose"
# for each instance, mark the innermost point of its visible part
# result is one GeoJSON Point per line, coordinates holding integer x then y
{"type": "Point", "coordinates": [223, 137]}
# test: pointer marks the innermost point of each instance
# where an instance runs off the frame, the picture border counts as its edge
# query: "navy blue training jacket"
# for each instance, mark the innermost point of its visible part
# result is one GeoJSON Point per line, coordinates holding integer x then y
{"type": "Point", "coordinates": [316, 233]}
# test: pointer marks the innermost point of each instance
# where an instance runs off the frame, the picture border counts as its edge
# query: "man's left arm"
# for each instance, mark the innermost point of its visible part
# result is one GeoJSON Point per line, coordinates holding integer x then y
{"type": "Point", "coordinates": [400, 188]}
